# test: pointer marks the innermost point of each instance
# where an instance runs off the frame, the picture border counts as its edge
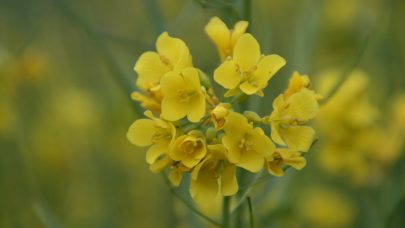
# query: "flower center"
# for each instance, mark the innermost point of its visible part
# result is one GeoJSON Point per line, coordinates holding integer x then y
{"type": "Point", "coordinates": [245, 144]}
{"type": "Point", "coordinates": [160, 134]}
{"type": "Point", "coordinates": [185, 96]}
{"type": "Point", "coordinates": [192, 147]}
{"type": "Point", "coordinates": [277, 159]}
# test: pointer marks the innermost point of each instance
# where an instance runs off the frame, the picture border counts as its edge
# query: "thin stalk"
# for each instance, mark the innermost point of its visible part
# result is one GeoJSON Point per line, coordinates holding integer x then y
{"type": "Point", "coordinates": [226, 212]}
{"type": "Point", "coordinates": [348, 70]}
{"type": "Point", "coordinates": [188, 204]}
{"type": "Point", "coordinates": [251, 218]}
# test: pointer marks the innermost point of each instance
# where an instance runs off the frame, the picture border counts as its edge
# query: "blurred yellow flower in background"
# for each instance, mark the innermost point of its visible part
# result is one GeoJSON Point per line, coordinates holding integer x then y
{"type": "Point", "coordinates": [323, 207]}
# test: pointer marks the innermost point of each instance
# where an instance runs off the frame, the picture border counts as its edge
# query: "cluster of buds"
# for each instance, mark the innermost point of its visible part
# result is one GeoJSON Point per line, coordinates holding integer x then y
{"type": "Point", "coordinates": [188, 128]}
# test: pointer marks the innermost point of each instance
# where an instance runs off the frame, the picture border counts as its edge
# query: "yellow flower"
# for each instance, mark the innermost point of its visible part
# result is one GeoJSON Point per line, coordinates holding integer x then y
{"type": "Point", "coordinates": [213, 175]}
{"type": "Point", "coordinates": [150, 99]}
{"type": "Point", "coordinates": [172, 55]}
{"type": "Point", "coordinates": [224, 38]}
{"type": "Point", "coordinates": [247, 71]}
{"type": "Point", "coordinates": [182, 96]}
{"type": "Point", "coordinates": [298, 82]}
{"type": "Point", "coordinates": [189, 149]}
{"type": "Point", "coordinates": [176, 173]}
{"type": "Point", "coordinates": [247, 146]}
{"type": "Point", "coordinates": [287, 118]}
{"type": "Point", "coordinates": [284, 156]}
{"type": "Point", "coordinates": [155, 132]}
{"type": "Point", "coordinates": [322, 207]}
{"type": "Point", "coordinates": [218, 115]}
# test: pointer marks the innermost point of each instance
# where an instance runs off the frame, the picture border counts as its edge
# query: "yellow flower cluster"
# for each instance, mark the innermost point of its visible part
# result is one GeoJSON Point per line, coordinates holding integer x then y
{"type": "Point", "coordinates": [188, 128]}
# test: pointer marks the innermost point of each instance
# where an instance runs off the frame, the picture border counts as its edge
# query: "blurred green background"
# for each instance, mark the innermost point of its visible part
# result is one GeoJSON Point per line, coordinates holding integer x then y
{"type": "Point", "coordinates": [65, 81]}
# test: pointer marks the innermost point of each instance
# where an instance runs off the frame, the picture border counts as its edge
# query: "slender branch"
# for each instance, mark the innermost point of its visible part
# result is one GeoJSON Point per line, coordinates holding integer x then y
{"type": "Point", "coordinates": [247, 16]}
{"type": "Point", "coordinates": [188, 204]}
{"type": "Point", "coordinates": [252, 221]}
{"type": "Point", "coordinates": [349, 70]}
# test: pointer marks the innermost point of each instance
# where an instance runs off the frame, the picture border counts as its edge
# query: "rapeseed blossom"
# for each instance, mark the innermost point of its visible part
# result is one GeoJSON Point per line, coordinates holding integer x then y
{"type": "Point", "coordinates": [191, 130]}
{"type": "Point", "coordinates": [248, 71]}
{"type": "Point", "coordinates": [223, 37]}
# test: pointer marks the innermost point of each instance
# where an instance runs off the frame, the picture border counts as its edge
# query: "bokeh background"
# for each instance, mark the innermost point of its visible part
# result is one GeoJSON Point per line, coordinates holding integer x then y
{"type": "Point", "coordinates": [65, 81]}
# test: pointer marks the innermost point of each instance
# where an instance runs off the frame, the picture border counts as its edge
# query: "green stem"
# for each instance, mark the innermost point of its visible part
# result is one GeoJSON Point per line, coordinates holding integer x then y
{"type": "Point", "coordinates": [226, 212]}
{"type": "Point", "coordinates": [186, 203]}
{"type": "Point", "coordinates": [247, 9]}
{"type": "Point", "coordinates": [252, 221]}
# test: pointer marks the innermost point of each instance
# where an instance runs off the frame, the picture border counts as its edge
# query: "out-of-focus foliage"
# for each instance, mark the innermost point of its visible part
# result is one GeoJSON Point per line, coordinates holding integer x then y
{"type": "Point", "coordinates": [64, 157]}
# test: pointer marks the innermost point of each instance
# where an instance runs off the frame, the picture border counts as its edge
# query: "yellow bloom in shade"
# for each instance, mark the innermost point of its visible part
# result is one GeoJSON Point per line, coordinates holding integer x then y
{"type": "Point", "coordinates": [172, 55]}
{"type": "Point", "coordinates": [155, 132]}
{"type": "Point", "coordinates": [297, 83]}
{"type": "Point", "coordinates": [183, 96]}
{"type": "Point", "coordinates": [247, 71]}
{"type": "Point", "coordinates": [218, 115]}
{"type": "Point", "coordinates": [284, 156]}
{"type": "Point", "coordinates": [150, 100]}
{"type": "Point", "coordinates": [223, 37]}
{"type": "Point", "coordinates": [189, 149]}
{"type": "Point", "coordinates": [247, 146]}
{"type": "Point", "coordinates": [176, 173]}
{"type": "Point", "coordinates": [287, 118]}
{"type": "Point", "coordinates": [212, 176]}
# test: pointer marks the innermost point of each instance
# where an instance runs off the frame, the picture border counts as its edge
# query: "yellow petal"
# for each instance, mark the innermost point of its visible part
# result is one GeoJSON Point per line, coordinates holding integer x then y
{"type": "Point", "coordinates": [267, 67]}
{"type": "Point", "coordinates": [196, 109]}
{"type": "Point", "coordinates": [140, 133]}
{"type": "Point", "coordinates": [171, 83]}
{"type": "Point", "coordinates": [150, 69]}
{"type": "Point", "coordinates": [236, 125]}
{"type": "Point", "coordinates": [218, 32]}
{"type": "Point", "coordinates": [160, 164]}
{"type": "Point", "coordinates": [298, 137]}
{"type": "Point", "coordinates": [261, 143]}
{"type": "Point", "coordinates": [274, 169]}
{"type": "Point", "coordinates": [233, 92]}
{"type": "Point", "coordinates": [173, 49]}
{"type": "Point", "coordinates": [247, 52]}
{"type": "Point", "coordinates": [175, 177]}
{"type": "Point", "coordinates": [173, 110]}
{"type": "Point", "coordinates": [239, 29]}
{"type": "Point", "coordinates": [251, 161]}
{"type": "Point", "coordinates": [302, 105]}
{"type": "Point", "coordinates": [296, 162]}
{"type": "Point", "coordinates": [248, 88]}
{"type": "Point", "coordinates": [155, 151]}
{"type": "Point", "coordinates": [275, 135]}
{"type": "Point", "coordinates": [191, 78]}
{"type": "Point", "coordinates": [227, 75]}
{"type": "Point", "coordinates": [229, 183]}
{"type": "Point", "coordinates": [205, 188]}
